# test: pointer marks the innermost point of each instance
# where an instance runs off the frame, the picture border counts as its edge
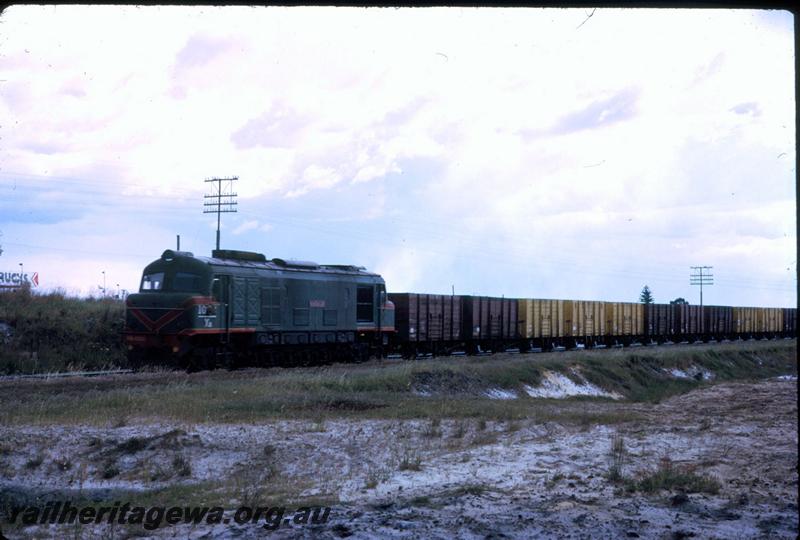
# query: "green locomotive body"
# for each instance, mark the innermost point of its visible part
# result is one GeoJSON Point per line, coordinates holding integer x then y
{"type": "Point", "coordinates": [197, 311]}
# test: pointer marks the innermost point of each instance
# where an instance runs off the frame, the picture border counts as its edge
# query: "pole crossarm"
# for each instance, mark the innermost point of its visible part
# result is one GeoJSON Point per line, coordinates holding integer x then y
{"type": "Point", "coordinates": [221, 202]}
{"type": "Point", "coordinates": [699, 278]}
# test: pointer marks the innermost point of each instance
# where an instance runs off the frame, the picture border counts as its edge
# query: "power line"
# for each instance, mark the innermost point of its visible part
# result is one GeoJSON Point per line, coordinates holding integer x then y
{"type": "Point", "coordinates": [224, 201]}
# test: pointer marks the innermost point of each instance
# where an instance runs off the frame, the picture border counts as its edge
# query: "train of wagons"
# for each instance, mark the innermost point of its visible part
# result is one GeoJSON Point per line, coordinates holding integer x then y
{"type": "Point", "coordinates": [239, 307]}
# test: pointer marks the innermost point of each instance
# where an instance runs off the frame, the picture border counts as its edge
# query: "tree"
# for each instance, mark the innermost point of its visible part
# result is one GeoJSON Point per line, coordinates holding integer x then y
{"type": "Point", "coordinates": [646, 297]}
{"type": "Point", "coordinates": [678, 301]}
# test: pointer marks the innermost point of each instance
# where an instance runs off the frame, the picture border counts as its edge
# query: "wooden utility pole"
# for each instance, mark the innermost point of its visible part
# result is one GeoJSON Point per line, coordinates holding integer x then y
{"type": "Point", "coordinates": [221, 201]}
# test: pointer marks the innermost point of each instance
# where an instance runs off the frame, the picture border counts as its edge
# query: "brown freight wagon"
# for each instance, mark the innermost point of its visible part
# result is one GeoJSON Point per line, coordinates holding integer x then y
{"type": "Point", "coordinates": [691, 320]}
{"type": "Point", "coordinates": [489, 318]}
{"type": "Point", "coordinates": [789, 321]}
{"type": "Point", "coordinates": [659, 320]}
{"type": "Point", "coordinates": [718, 320]}
{"type": "Point", "coordinates": [427, 317]}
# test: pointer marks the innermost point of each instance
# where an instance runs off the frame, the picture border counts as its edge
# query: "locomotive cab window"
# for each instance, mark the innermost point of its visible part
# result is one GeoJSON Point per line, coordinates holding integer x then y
{"type": "Point", "coordinates": [186, 282]}
{"type": "Point", "coordinates": [365, 302]}
{"type": "Point", "coordinates": [152, 282]}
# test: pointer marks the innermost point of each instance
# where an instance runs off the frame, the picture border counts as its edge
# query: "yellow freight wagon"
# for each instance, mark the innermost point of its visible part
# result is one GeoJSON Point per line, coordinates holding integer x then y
{"type": "Point", "coordinates": [774, 319]}
{"type": "Point", "coordinates": [760, 324]}
{"type": "Point", "coordinates": [541, 318]}
{"type": "Point", "coordinates": [745, 319]}
{"type": "Point", "coordinates": [624, 319]}
{"type": "Point", "coordinates": [588, 318]}
{"type": "Point", "coordinates": [568, 322]}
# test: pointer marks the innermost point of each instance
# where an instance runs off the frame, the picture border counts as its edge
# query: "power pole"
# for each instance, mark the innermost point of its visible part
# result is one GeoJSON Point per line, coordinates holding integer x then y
{"type": "Point", "coordinates": [222, 201]}
{"type": "Point", "coordinates": [698, 278]}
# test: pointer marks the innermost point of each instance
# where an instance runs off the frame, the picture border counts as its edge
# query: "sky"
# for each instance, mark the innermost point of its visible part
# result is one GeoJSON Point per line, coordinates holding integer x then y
{"type": "Point", "coordinates": [546, 153]}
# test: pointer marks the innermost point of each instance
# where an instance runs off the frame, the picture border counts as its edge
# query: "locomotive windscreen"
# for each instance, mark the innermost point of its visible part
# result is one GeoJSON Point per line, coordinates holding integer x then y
{"type": "Point", "coordinates": [152, 282]}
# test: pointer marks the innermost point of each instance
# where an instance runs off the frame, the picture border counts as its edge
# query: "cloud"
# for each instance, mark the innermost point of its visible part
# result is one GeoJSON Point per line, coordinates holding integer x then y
{"type": "Point", "coordinates": [602, 112]}
{"type": "Point", "coordinates": [526, 158]}
{"type": "Point", "coordinates": [279, 127]}
{"type": "Point", "coordinates": [246, 226]}
{"type": "Point", "coordinates": [200, 50]}
{"type": "Point", "coordinates": [750, 108]}
{"type": "Point", "coordinates": [711, 68]}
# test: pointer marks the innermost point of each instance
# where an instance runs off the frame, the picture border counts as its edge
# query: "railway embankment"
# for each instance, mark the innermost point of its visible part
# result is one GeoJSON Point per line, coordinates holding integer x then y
{"type": "Point", "coordinates": [495, 387]}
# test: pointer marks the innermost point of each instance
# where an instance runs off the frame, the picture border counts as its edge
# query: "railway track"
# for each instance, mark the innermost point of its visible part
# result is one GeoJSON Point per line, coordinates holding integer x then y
{"type": "Point", "coordinates": [66, 374]}
{"type": "Point", "coordinates": [397, 357]}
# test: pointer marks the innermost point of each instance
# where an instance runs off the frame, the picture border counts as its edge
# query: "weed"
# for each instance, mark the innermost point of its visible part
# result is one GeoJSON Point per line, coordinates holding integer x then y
{"type": "Point", "coordinates": [433, 429]}
{"type": "Point", "coordinates": [411, 462]}
{"type": "Point", "coordinates": [670, 477]}
{"type": "Point", "coordinates": [470, 489]}
{"type": "Point", "coordinates": [555, 479]}
{"type": "Point", "coordinates": [181, 466]}
{"type": "Point", "coordinates": [132, 445]}
{"type": "Point", "coordinates": [110, 470]}
{"type": "Point", "coordinates": [617, 454]}
{"type": "Point", "coordinates": [62, 464]}
{"type": "Point", "coordinates": [34, 462]}
{"type": "Point", "coordinates": [459, 429]}
{"type": "Point", "coordinates": [375, 476]}
{"type": "Point", "coordinates": [485, 437]}
{"type": "Point", "coordinates": [249, 487]}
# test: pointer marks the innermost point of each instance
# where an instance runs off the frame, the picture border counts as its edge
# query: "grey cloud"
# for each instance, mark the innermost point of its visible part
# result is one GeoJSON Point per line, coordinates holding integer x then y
{"type": "Point", "coordinates": [199, 50]}
{"type": "Point", "coordinates": [44, 147]}
{"type": "Point", "coordinates": [404, 114]}
{"type": "Point", "coordinates": [707, 70]}
{"type": "Point", "coordinates": [279, 127]}
{"type": "Point", "coordinates": [621, 106]}
{"type": "Point", "coordinates": [751, 108]}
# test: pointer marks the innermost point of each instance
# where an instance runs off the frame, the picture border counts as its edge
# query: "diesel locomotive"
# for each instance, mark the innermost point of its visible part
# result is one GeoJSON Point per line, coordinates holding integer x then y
{"type": "Point", "coordinates": [199, 312]}
{"type": "Point", "coordinates": [238, 307]}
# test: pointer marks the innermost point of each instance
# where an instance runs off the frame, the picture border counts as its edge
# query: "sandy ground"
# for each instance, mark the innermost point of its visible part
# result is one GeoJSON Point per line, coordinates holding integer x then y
{"type": "Point", "coordinates": [466, 479]}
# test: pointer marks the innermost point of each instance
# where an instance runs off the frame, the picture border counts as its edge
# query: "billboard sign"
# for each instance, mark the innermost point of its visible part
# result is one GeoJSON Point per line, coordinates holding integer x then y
{"type": "Point", "coordinates": [16, 279]}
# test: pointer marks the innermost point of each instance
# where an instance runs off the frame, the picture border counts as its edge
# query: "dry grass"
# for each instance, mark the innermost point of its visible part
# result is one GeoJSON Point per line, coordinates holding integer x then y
{"type": "Point", "coordinates": [382, 390]}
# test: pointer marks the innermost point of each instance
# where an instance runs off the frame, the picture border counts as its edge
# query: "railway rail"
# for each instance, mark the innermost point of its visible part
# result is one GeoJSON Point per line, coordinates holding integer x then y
{"type": "Point", "coordinates": [65, 374]}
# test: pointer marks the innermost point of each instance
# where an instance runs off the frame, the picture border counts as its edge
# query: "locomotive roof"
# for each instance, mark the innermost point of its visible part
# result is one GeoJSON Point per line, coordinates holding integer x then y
{"type": "Point", "coordinates": [242, 259]}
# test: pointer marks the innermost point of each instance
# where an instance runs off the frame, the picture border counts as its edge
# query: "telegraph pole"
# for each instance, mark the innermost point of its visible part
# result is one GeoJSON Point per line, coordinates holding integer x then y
{"type": "Point", "coordinates": [698, 278]}
{"type": "Point", "coordinates": [222, 201]}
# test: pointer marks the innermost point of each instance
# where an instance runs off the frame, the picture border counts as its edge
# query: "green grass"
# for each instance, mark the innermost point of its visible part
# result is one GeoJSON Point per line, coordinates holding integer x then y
{"type": "Point", "coordinates": [669, 477]}
{"type": "Point", "coordinates": [389, 389]}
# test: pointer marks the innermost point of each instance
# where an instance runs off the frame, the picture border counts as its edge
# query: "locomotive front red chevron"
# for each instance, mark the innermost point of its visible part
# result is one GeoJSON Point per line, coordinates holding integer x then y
{"type": "Point", "coordinates": [237, 306]}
